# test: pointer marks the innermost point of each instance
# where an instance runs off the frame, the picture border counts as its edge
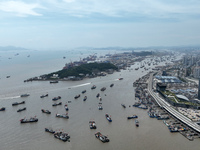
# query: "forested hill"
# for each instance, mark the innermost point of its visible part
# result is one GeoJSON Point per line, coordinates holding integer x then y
{"type": "Point", "coordinates": [82, 70]}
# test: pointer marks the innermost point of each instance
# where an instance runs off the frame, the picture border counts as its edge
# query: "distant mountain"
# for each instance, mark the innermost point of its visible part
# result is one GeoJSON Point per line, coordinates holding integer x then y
{"type": "Point", "coordinates": [11, 48]}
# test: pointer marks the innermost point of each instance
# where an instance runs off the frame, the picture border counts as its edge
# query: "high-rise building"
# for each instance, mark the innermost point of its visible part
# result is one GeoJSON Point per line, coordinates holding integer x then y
{"type": "Point", "coordinates": [199, 90]}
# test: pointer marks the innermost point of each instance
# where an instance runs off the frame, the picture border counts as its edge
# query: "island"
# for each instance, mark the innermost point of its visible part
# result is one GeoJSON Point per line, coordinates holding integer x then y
{"type": "Point", "coordinates": [80, 72]}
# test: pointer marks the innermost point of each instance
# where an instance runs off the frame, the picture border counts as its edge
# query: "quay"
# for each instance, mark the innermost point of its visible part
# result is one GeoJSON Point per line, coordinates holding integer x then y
{"type": "Point", "coordinates": [165, 105]}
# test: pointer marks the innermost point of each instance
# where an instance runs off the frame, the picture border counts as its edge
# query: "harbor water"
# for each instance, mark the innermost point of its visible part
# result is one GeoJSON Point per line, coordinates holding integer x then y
{"type": "Point", "coordinates": [151, 134]}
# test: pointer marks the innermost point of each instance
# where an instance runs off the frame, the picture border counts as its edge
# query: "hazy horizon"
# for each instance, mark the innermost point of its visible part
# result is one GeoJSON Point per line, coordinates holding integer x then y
{"type": "Point", "coordinates": [77, 23]}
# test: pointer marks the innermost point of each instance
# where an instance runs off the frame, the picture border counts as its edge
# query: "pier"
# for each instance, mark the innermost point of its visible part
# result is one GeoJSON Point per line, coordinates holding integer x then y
{"type": "Point", "coordinates": [163, 104]}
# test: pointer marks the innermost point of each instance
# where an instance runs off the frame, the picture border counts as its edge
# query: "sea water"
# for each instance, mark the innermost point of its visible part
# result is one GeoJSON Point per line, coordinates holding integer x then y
{"type": "Point", "coordinates": [152, 133]}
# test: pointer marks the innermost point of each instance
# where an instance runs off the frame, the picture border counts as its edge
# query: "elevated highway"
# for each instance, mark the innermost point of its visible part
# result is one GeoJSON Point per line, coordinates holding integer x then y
{"type": "Point", "coordinates": [163, 104]}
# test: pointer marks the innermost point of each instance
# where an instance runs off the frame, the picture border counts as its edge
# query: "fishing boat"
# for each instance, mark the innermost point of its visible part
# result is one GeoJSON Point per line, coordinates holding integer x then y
{"type": "Point", "coordinates": [56, 104]}
{"type": "Point", "coordinates": [97, 95]}
{"type": "Point", "coordinates": [63, 116]}
{"type": "Point", "coordinates": [123, 105]}
{"type": "Point", "coordinates": [24, 95]}
{"type": "Point", "coordinates": [2, 109]}
{"type": "Point", "coordinates": [49, 130]}
{"type": "Point", "coordinates": [46, 111]}
{"type": "Point", "coordinates": [136, 123]}
{"type": "Point", "coordinates": [101, 137]}
{"type": "Point", "coordinates": [103, 88]}
{"type": "Point", "coordinates": [42, 96]}
{"type": "Point", "coordinates": [56, 98]}
{"type": "Point", "coordinates": [62, 136]}
{"type": "Point", "coordinates": [77, 96]}
{"type": "Point", "coordinates": [108, 117]}
{"type": "Point", "coordinates": [66, 107]}
{"type": "Point", "coordinates": [93, 87]}
{"type": "Point", "coordinates": [120, 78]}
{"type": "Point", "coordinates": [83, 91]}
{"type": "Point", "coordinates": [84, 99]}
{"type": "Point", "coordinates": [16, 103]}
{"type": "Point", "coordinates": [100, 107]}
{"type": "Point", "coordinates": [92, 125]}
{"type": "Point", "coordinates": [31, 120]}
{"type": "Point", "coordinates": [132, 117]}
{"type": "Point", "coordinates": [22, 109]}
{"type": "Point", "coordinates": [112, 85]}
{"type": "Point", "coordinates": [53, 82]}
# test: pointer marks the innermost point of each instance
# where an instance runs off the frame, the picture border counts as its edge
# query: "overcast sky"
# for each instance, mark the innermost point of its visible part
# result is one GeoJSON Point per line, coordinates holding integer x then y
{"type": "Point", "coordinates": [44, 24]}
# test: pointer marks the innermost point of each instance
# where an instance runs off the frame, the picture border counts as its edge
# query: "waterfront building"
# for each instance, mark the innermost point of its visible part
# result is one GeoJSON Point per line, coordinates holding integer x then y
{"type": "Point", "coordinates": [196, 72]}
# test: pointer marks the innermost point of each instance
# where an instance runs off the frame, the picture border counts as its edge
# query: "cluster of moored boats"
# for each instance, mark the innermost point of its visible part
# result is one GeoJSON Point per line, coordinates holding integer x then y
{"type": "Point", "coordinates": [63, 136]}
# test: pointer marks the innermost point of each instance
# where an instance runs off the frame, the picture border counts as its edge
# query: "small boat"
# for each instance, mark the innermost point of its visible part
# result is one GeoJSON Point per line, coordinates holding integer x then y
{"type": "Point", "coordinates": [16, 103]}
{"type": "Point", "coordinates": [101, 137]}
{"type": "Point", "coordinates": [100, 107]}
{"type": "Point", "coordinates": [112, 85]}
{"type": "Point", "coordinates": [49, 130]}
{"type": "Point", "coordinates": [92, 125]}
{"type": "Point", "coordinates": [63, 116]}
{"type": "Point", "coordinates": [56, 98]}
{"type": "Point", "coordinates": [62, 136]}
{"type": "Point", "coordinates": [77, 96]}
{"type": "Point", "coordinates": [32, 119]}
{"type": "Point", "coordinates": [123, 105]}
{"type": "Point", "coordinates": [22, 109]}
{"type": "Point", "coordinates": [66, 107]}
{"type": "Point", "coordinates": [24, 95]}
{"type": "Point", "coordinates": [53, 82]}
{"type": "Point", "coordinates": [83, 91]}
{"type": "Point", "coordinates": [103, 88]}
{"type": "Point", "coordinates": [2, 109]}
{"type": "Point", "coordinates": [42, 96]}
{"type": "Point", "coordinates": [46, 111]}
{"type": "Point", "coordinates": [55, 104]}
{"type": "Point", "coordinates": [108, 117]}
{"type": "Point", "coordinates": [84, 99]}
{"type": "Point", "coordinates": [120, 78]}
{"type": "Point", "coordinates": [132, 117]}
{"type": "Point", "coordinates": [137, 123]}
{"type": "Point", "coordinates": [97, 95]}
{"type": "Point", "coordinates": [93, 87]}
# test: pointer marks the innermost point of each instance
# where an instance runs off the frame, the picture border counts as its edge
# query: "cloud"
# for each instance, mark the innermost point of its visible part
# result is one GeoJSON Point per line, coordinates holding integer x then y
{"type": "Point", "coordinates": [20, 8]}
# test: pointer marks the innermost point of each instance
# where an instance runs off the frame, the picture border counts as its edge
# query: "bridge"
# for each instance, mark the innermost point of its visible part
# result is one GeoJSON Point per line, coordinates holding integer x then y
{"type": "Point", "coordinates": [165, 105]}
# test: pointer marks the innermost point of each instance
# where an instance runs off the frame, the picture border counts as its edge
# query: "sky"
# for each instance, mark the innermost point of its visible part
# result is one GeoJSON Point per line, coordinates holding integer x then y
{"type": "Point", "coordinates": [51, 24]}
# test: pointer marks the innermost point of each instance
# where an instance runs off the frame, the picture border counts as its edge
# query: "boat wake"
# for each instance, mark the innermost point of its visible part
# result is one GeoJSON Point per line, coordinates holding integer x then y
{"type": "Point", "coordinates": [13, 97]}
{"type": "Point", "coordinates": [81, 85]}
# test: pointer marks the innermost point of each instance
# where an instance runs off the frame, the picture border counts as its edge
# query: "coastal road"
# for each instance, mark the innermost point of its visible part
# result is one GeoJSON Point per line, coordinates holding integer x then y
{"type": "Point", "coordinates": [163, 104]}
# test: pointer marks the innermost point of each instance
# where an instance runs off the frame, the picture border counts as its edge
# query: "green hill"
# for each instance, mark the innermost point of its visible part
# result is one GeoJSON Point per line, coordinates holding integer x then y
{"type": "Point", "coordinates": [82, 70]}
